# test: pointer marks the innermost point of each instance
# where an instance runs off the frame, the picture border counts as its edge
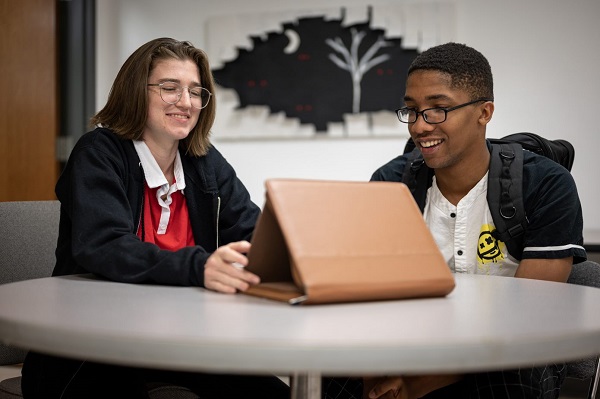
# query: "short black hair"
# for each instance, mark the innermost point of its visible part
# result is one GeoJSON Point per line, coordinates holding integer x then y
{"type": "Point", "coordinates": [468, 69]}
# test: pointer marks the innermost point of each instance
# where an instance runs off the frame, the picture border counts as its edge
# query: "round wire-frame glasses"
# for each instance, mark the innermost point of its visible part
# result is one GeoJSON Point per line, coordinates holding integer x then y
{"type": "Point", "coordinates": [171, 92]}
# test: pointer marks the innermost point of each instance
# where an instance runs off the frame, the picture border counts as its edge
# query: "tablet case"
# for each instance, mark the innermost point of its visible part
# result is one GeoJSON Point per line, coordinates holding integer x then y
{"type": "Point", "coordinates": [320, 241]}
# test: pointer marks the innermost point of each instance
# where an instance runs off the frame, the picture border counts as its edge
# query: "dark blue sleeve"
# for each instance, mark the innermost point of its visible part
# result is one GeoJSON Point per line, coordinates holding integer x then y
{"type": "Point", "coordinates": [391, 171]}
{"type": "Point", "coordinates": [238, 214]}
{"type": "Point", "coordinates": [553, 210]}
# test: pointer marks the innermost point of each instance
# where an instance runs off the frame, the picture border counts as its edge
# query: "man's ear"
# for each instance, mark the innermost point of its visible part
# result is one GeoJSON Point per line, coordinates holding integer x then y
{"type": "Point", "coordinates": [487, 110]}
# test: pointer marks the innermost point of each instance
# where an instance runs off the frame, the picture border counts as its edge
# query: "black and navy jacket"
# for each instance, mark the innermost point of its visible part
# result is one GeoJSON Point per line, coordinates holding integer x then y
{"type": "Point", "coordinates": [101, 192]}
{"type": "Point", "coordinates": [552, 207]}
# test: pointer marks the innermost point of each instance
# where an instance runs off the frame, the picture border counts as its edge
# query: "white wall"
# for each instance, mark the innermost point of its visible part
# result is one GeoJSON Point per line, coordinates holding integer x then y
{"type": "Point", "coordinates": [544, 56]}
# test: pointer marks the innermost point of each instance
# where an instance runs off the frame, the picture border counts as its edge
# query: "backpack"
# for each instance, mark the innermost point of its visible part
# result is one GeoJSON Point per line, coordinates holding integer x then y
{"type": "Point", "coordinates": [505, 180]}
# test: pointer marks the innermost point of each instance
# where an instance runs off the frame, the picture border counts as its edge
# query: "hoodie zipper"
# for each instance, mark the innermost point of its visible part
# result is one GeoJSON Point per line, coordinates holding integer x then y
{"type": "Point", "coordinates": [141, 219]}
{"type": "Point", "coordinates": [217, 224]}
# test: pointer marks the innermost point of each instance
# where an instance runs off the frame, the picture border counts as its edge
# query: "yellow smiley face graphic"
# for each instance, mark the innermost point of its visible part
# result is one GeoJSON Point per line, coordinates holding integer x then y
{"type": "Point", "coordinates": [489, 249]}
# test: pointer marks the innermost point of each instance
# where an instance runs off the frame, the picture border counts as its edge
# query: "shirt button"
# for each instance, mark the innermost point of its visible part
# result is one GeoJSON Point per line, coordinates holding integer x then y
{"type": "Point", "coordinates": [453, 215]}
{"type": "Point", "coordinates": [459, 252]}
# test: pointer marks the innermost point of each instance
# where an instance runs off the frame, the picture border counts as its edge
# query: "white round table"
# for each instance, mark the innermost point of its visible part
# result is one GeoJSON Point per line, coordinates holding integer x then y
{"type": "Point", "coordinates": [485, 323]}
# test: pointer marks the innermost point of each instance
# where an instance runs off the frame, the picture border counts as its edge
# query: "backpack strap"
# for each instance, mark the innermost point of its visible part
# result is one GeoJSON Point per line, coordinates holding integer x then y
{"type": "Point", "coordinates": [417, 176]}
{"type": "Point", "coordinates": [505, 196]}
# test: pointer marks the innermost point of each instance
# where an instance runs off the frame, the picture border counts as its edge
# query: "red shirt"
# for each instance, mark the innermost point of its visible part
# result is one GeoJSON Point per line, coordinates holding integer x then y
{"type": "Point", "coordinates": [178, 232]}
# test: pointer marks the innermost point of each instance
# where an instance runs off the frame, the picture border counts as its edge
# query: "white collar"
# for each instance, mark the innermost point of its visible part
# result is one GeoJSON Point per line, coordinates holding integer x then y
{"type": "Point", "coordinates": [152, 172]}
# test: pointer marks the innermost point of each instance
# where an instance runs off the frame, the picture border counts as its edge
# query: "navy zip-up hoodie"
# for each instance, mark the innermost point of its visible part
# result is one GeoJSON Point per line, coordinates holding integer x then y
{"type": "Point", "coordinates": [101, 193]}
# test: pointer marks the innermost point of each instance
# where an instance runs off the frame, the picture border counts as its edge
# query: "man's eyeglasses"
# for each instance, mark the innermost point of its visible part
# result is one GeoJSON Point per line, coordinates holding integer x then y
{"type": "Point", "coordinates": [171, 92]}
{"type": "Point", "coordinates": [431, 115]}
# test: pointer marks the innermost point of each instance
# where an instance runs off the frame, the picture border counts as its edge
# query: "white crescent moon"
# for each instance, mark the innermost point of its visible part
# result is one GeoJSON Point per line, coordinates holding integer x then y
{"type": "Point", "coordinates": [294, 41]}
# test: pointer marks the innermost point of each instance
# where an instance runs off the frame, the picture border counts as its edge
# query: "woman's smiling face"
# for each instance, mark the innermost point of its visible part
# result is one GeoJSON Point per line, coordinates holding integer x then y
{"type": "Point", "coordinates": [171, 122]}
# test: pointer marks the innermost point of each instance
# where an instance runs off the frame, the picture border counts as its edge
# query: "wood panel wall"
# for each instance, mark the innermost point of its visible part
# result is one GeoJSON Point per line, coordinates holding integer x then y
{"type": "Point", "coordinates": [28, 99]}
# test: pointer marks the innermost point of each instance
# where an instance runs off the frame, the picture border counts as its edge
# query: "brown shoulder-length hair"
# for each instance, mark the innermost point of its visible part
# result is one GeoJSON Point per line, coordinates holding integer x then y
{"type": "Point", "coordinates": [126, 110]}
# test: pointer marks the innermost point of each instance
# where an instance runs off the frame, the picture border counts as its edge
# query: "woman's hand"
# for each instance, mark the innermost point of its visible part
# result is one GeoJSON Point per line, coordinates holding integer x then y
{"type": "Point", "coordinates": [224, 269]}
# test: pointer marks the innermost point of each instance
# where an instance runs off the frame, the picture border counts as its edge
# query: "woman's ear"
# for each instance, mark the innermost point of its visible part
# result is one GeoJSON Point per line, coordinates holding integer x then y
{"type": "Point", "coordinates": [487, 110]}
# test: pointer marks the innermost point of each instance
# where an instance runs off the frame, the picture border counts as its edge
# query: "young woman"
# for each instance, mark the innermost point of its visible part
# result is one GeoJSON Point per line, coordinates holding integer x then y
{"type": "Point", "coordinates": [146, 198]}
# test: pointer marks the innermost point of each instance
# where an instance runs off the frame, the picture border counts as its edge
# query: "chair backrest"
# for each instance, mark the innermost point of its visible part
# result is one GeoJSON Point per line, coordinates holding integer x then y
{"type": "Point", "coordinates": [29, 231]}
{"type": "Point", "coordinates": [586, 273]}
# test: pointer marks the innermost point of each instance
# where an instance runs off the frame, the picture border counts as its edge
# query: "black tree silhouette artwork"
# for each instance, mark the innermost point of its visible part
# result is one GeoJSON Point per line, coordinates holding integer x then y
{"type": "Point", "coordinates": [318, 70]}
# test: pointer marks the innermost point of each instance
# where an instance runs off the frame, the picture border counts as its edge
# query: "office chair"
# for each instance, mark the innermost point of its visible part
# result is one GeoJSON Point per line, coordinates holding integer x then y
{"type": "Point", "coordinates": [29, 230]}
{"type": "Point", "coordinates": [586, 273]}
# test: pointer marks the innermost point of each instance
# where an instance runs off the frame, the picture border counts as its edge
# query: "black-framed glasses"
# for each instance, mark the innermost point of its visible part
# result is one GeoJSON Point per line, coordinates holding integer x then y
{"type": "Point", "coordinates": [171, 92]}
{"type": "Point", "coordinates": [431, 115]}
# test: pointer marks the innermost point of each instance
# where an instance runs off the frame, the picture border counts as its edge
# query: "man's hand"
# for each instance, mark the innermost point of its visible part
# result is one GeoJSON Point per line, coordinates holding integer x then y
{"type": "Point", "coordinates": [224, 269]}
{"type": "Point", "coordinates": [405, 387]}
{"type": "Point", "coordinates": [384, 388]}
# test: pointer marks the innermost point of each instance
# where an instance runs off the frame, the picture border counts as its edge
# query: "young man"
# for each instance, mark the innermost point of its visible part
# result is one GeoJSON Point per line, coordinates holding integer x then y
{"type": "Point", "coordinates": [448, 104]}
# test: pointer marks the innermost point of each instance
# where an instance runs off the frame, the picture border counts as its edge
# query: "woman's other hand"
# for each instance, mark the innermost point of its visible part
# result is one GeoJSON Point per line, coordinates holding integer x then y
{"type": "Point", "coordinates": [224, 269]}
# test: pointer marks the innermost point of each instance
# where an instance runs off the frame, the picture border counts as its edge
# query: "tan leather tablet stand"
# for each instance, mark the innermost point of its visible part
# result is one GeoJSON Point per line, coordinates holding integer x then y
{"type": "Point", "coordinates": [322, 241]}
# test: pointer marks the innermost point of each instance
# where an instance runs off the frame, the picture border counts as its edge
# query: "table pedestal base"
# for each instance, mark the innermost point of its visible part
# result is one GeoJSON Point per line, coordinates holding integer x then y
{"type": "Point", "coordinates": [306, 386]}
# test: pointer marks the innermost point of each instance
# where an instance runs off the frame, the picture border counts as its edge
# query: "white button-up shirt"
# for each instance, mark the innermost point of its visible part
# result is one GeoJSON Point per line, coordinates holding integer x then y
{"type": "Point", "coordinates": [155, 178]}
{"type": "Point", "coordinates": [463, 232]}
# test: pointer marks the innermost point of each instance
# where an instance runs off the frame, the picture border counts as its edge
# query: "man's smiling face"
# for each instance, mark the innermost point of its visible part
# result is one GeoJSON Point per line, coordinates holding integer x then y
{"type": "Point", "coordinates": [446, 144]}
